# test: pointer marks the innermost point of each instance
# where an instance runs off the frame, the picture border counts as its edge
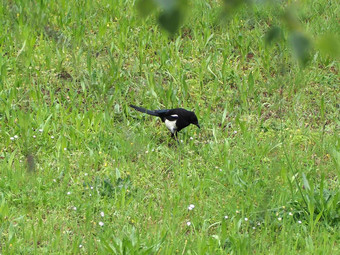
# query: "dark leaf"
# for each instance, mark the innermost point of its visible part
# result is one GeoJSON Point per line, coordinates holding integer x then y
{"type": "Point", "coordinates": [170, 20]}
{"type": "Point", "coordinates": [30, 162]}
{"type": "Point", "coordinates": [273, 34]}
{"type": "Point", "coordinates": [301, 47]}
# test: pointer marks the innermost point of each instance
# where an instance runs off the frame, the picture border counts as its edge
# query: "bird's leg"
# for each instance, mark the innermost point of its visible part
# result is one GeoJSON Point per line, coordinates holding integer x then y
{"type": "Point", "coordinates": [174, 136]}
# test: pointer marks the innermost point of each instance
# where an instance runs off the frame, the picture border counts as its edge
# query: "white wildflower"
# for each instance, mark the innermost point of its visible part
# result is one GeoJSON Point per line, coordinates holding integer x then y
{"type": "Point", "coordinates": [191, 207]}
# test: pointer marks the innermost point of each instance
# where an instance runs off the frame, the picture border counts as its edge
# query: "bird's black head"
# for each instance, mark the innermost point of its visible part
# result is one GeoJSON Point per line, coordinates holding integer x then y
{"type": "Point", "coordinates": [194, 120]}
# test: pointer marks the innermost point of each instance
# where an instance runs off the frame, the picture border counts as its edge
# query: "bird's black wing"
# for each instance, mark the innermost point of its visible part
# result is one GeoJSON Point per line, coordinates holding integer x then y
{"type": "Point", "coordinates": [171, 117]}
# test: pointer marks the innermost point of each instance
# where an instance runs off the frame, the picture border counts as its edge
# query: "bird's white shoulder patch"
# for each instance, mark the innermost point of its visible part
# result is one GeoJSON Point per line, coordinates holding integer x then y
{"type": "Point", "coordinates": [174, 115]}
{"type": "Point", "coordinates": [171, 125]}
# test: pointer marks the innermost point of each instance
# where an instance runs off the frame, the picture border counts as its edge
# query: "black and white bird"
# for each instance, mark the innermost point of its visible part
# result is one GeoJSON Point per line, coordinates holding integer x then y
{"type": "Point", "coordinates": [174, 119]}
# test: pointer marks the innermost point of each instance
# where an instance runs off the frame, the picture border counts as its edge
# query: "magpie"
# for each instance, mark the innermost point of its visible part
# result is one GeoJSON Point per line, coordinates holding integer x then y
{"type": "Point", "coordinates": [175, 119]}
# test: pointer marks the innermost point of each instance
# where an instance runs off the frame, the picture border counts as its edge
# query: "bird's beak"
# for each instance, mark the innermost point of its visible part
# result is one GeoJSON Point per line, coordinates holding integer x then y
{"type": "Point", "coordinates": [198, 125]}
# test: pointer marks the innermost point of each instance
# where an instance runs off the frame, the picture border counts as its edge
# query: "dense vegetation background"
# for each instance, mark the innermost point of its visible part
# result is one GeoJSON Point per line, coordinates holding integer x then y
{"type": "Point", "coordinates": [83, 173]}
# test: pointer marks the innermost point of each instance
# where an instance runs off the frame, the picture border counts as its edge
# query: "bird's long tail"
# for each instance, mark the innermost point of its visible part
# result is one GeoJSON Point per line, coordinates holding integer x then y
{"type": "Point", "coordinates": [140, 109]}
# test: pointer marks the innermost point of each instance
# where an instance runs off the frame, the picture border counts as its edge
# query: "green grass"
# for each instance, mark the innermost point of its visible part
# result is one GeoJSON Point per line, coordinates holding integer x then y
{"type": "Point", "coordinates": [71, 148]}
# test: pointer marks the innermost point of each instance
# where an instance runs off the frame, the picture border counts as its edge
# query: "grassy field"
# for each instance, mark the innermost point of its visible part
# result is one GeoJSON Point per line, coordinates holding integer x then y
{"type": "Point", "coordinates": [81, 172]}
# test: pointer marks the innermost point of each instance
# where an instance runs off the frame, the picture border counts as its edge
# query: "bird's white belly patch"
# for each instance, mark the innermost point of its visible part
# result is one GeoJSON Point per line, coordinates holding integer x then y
{"type": "Point", "coordinates": [171, 125]}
